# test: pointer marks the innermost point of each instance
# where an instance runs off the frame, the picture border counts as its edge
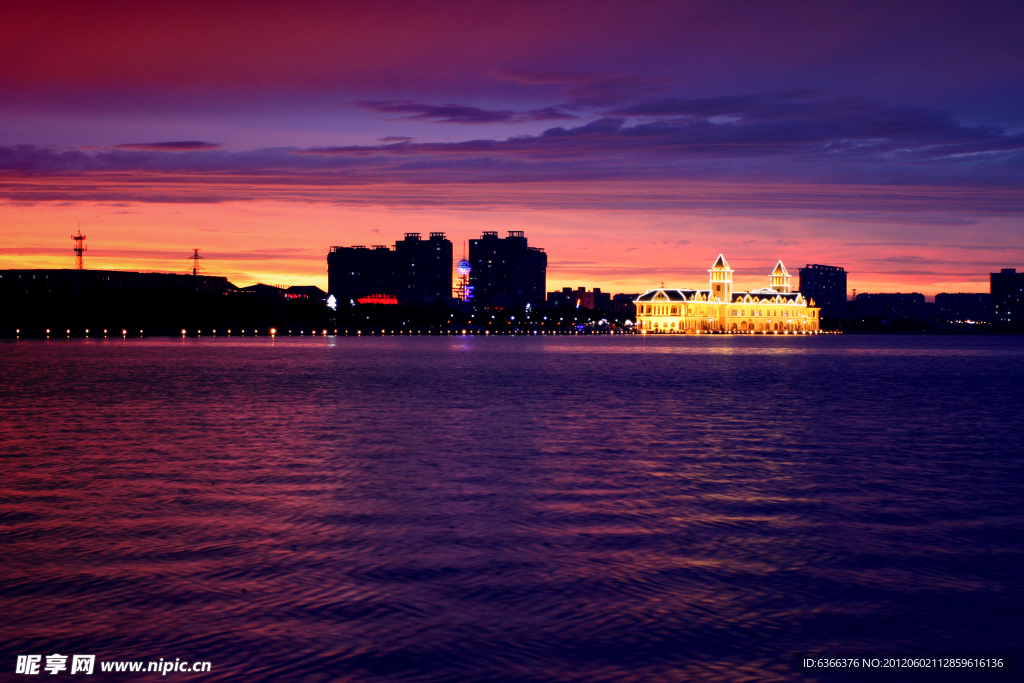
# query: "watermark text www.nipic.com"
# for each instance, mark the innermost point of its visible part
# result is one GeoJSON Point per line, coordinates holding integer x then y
{"type": "Point", "coordinates": [87, 664]}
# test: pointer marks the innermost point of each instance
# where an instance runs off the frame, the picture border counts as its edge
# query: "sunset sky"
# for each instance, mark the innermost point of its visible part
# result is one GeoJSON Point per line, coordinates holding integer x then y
{"type": "Point", "coordinates": [634, 141]}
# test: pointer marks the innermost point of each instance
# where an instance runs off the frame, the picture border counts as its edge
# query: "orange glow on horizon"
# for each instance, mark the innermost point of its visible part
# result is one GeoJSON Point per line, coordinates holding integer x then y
{"type": "Point", "coordinates": [623, 250]}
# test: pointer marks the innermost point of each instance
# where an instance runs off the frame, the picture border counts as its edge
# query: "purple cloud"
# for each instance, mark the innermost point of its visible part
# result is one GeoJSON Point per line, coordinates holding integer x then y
{"type": "Point", "coordinates": [183, 146]}
{"type": "Point", "coordinates": [457, 113]}
{"type": "Point", "coordinates": [588, 89]}
{"type": "Point", "coordinates": [801, 139]}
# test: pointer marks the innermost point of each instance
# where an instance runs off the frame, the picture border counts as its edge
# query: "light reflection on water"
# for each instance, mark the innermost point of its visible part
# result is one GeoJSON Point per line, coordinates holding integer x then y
{"type": "Point", "coordinates": [510, 509]}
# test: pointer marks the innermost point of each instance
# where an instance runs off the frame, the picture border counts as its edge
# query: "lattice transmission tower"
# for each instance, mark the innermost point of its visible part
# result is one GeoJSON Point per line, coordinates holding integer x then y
{"type": "Point", "coordinates": [195, 258]}
{"type": "Point", "coordinates": [80, 249]}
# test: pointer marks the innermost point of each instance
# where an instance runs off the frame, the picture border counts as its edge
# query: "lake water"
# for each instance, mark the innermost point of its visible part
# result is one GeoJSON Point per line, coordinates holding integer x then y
{"type": "Point", "coordinates": [510, 509]}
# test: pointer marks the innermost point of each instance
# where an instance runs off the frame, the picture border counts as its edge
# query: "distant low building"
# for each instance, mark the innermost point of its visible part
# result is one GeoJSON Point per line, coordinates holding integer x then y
{"type": "Point", "coordinates": [595, 300]}
{"type": "Point", "coordinates": [888, 306]}
{"type": "Point", "coordinates": [305, 292]}
{"type": "Point", "coordinates": [35, 300]}
{"type": "Point", "coordinates": [83, 282]}
{"type": "Point", "coordinates": [963, 307]}
{"type": "Point", "coordinates": [775, 308]}
{"type": "Point", "coordinates": [825, 286]}
{"type": "Point", "coordinates": [1007, 290]}
{"type": "Point", "coordinates": [622, 305]}
{"type": "Point", "coordinates": [265, 291]}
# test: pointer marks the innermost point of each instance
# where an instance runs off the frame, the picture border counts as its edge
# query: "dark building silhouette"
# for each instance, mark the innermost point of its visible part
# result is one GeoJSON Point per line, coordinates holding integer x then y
{"type": "Point", "coordinates": [95, 302]}
{"type": "Point", "coordinates": [414, 271]}
{"type": "Point", "coordinates": [826, 285]}
{"type": "Point", "coordinates": [423, 268]}
{"type": "Point", "coordinates": [963, 307]}
{"type": "Point", "coordinates": [80, 282]}
{"type": "Point", "coordinates": [595, 300]}
{"type": "Point", "coordinates": [889, 306]}
{"type": "Point", "coordinates": [507, 272]}
{"type": "Point", "coordinates": [1007, 290]}
{"type": "Point", "coordinates": [354, 272]}
{"type": "Point", "coordinates": [622, 304]}
{"type": "Point", "coordinates": [262, 290]}
{"type": "Point", "coordinates": [305, 292]}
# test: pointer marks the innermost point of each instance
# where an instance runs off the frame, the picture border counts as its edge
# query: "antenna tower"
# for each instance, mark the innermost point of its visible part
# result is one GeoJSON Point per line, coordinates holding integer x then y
{"type": "Point", "coordinates": [195, 258]}
{"type": "Point", "coordinates": [80, 249]}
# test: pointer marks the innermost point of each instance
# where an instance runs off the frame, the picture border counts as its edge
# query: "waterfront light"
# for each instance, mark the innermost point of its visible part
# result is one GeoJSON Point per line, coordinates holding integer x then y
{"type": "Point", "coordinates": [183, 333]}
{"type": "Point", "coordinates": [273, 330]}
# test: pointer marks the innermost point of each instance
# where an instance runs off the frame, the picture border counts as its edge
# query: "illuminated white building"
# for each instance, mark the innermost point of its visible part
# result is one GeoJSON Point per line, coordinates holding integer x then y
{"type": "Point", "coordinates": [776, 308]}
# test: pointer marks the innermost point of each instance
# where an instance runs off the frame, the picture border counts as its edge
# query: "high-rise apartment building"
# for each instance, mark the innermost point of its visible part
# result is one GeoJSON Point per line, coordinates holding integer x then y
{"type": "Point", "coordinates": [1007, 289]}
{"type": "Point", "coordinates": [423, 268]}
{"type": "Point", "coordinates": [507, 272]}
{"type": "Point", "coordinates": [414, 271]}
{"type": "Point", "coordinates": [826, 286]}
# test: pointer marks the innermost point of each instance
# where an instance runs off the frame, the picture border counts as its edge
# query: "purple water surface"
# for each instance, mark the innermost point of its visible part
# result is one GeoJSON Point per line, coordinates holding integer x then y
{"type": "Point", "coordinates": [510, 509]}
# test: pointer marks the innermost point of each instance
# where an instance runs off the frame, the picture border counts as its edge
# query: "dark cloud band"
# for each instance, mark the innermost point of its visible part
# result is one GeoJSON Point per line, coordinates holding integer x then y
{"type": "Point", "coordinates": [183, 146]}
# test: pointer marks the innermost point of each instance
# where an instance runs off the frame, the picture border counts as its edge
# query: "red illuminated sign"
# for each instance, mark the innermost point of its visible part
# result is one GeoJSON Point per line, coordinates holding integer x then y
{"type": "Point", "coordinates": [378, 299]}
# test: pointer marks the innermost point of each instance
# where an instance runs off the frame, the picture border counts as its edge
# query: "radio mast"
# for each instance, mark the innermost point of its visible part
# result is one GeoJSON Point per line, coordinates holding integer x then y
{"type": "Point", "coordinates": [79, 249]}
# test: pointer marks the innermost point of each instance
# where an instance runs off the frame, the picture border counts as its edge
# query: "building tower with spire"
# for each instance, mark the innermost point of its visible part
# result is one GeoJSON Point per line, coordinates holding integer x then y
{"type": "Point", "coordinates": [781, 279]}
{"type": "Point", "coordinates": [774, 309]}
{"type": "Point", "coordinates": [721, 281]}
